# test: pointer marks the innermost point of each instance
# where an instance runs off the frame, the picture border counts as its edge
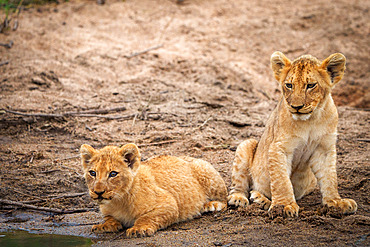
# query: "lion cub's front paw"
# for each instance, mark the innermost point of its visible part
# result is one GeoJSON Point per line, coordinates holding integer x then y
{"type": "Point", "coordinates": [290, 210]}
{"type": "Point", "coordinates": [238, 199]}
{"type": "Point", "coordinates": [107, 227]}
{"type": "Point", "coordinates": [345, 206]}
{"type": "Point", "coordinates": [142, 231]}
{"type": "Point", "coordinates": [260, 199]}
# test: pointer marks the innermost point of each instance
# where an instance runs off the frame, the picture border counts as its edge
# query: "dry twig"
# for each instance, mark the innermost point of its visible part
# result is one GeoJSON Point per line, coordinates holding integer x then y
{"type": "Point", "coordinates": [70, 195]}
{"type": "Point", "coordinates": [144, 51]}
{"type": "Point", "coordinates": [7, 45]}
{"type": "Point", "coordinates": [144, 115]}
{"type": "Point", "coordinates": [209, 104]}
{"type": "Point", "coordinates": [51, 210]}
{"type": "Point", "coordinates": [70, 157]}
{"type": "Point", "coordinates": [204, 123]}
{"type": "Point", "coordinates": [156, 143]}
{"type": "Point", "coordinates": [363, 140]}
{"type": "Point", "coordinates": [98, 111]}
{"type": "Point", "coordinates": [264, 94]}
{"type": "Point", "coordinates": [55, 197]}
{"type": "Point", "coordinates": [4, 63]}
{"type": "Point", "coordinates": [88, 113]}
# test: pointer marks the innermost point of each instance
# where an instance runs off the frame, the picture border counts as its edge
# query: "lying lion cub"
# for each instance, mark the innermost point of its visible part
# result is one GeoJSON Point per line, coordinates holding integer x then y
{"type": "Point", "coordinates": [297, 149]}
{"type": "Point", "coordinates": [149, 195]}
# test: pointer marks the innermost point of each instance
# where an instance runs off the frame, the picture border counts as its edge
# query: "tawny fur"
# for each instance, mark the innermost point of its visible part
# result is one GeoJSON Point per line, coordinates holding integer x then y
{"type": "Point", "coordinates": [150, 195]}
{"type": "Point", "coordinates": [298, 147]}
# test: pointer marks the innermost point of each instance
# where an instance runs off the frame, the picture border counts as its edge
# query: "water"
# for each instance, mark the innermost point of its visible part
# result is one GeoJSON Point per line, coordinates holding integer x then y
{"type": "Point", "coordinates": [23, 238]}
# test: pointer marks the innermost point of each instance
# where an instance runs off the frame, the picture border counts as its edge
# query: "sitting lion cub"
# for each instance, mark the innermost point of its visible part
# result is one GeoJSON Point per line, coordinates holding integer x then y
{"type": "Point", "coordinates": [149, 195]}
{"type": "Point", "coordinates": [297, 149]}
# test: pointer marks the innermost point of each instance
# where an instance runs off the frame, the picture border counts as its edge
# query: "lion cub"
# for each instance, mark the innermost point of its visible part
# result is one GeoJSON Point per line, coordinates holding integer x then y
{"type": "Point", "coordinates": [150, 195]}
{"type": "Point", "coordinates": [297, 149]}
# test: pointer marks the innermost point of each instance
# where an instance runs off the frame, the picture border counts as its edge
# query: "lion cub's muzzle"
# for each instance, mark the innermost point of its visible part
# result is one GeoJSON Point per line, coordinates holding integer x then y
{"type": "Point", "coordinates": [99, 195]}
{"type": "Point", "coordinates": [300, 112]}
{"type": "Point", "coordinates": [300, 109]}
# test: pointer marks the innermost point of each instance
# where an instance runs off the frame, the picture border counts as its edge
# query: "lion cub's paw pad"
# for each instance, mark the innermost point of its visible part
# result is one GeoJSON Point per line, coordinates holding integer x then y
{"type": "Point", "coordinates": [238, 199]}
{"type": "Point", "coordinates": [101, 228]}
{"type": "Point", "coordinates": [143, 231]}
{"type": "Point", "coordinates": [213, 206]}
{"type": "Point", "coordinates": [260, 199]}
{"type": "Point", "coordinates": [345, 206]}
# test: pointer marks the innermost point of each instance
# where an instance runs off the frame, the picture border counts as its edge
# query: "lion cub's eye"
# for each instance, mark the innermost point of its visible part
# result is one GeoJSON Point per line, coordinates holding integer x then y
{"type": "Point", "coordinates": [92, 173]}
{"type": "Point", "coordinates": [113, 174]}
{"type": "Point", "coordinates": [311, 85]}
{"type": "Point", "coordinates": [289, 85]}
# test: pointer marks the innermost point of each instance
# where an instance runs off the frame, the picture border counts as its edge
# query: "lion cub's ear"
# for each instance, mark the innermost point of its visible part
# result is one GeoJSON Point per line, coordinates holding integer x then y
{"type": "Point", "coordinates": [131, 155]}
{"type": "Point", "coordinates": [86, 152]}
{"type": "Point", "coordinates": [279, 63]}
{"type": "Point", "coordinates": [335, 65]}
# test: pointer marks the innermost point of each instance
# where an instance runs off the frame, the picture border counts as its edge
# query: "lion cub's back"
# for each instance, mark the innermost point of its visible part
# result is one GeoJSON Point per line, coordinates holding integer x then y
{"type": "Point", "coordinates": [208, 177]}
{"type": "Point", "coordinates": [191, 181]}
{"type": "Point", "coordinates": [170, 171]}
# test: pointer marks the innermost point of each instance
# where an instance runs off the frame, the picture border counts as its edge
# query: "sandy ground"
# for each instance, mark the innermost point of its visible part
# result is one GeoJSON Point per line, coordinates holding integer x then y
{"type": "Point", "coordinates": [205, 88]}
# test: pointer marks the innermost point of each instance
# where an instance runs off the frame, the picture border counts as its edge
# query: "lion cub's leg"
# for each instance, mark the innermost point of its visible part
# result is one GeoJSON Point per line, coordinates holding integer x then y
{"type": "Point", "coordinates": [240, 178]}
{"type": "Point", "coordinates": [158, 218]}
{"type": "Point", "coordinates": [326, 174]}
{"type": "Point", "coordinates": [282, 193]}
{"type": "Point", "coordinates": [110, 225]}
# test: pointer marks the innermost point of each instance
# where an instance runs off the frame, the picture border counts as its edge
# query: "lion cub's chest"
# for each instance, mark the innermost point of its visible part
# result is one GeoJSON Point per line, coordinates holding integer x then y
{"type": "Point", "coordinates": [303, 153]}
{"type": "Point", "coordinates": [307, 145]}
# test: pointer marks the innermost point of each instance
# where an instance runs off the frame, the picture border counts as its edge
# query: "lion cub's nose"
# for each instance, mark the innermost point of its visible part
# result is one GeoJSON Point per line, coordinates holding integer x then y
{"type": "Point", "coordinates": [99, 193]}
{"type": "Point", "coordinates": [298, 107]}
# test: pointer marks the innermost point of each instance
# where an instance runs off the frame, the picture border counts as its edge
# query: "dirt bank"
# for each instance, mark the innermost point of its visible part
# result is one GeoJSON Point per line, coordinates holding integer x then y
{"type": "Point", "coordinates": [205, 87]}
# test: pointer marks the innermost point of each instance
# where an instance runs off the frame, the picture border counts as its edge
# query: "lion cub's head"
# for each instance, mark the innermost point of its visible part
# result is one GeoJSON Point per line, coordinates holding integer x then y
{"type": "Point", "coordinates": [306, 82]}
{"type": "Point", "coordinates": [109, 172]}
